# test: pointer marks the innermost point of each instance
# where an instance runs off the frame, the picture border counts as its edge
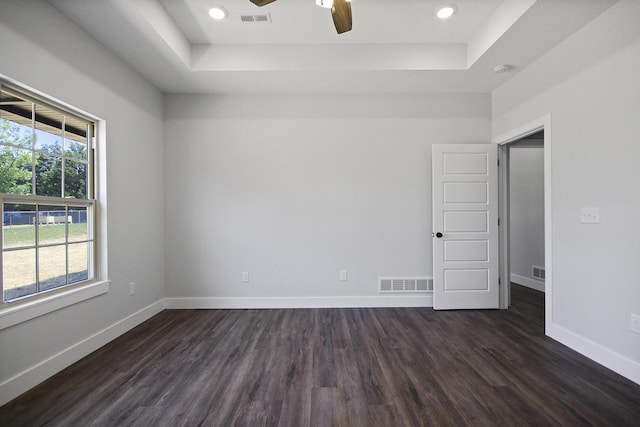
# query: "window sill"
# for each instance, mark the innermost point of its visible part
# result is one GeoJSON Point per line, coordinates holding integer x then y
{"type": "Point", "coordinates": [12, 316]}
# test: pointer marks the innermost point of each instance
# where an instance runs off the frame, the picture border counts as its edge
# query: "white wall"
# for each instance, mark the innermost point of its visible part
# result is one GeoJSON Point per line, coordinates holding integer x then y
{"type": "Point", "coordinates": [44, 50]}
{"type": "Point", "coordinates": [294, 189]}
{"type": "Point", "coordinates": [526, 219]}
{"type": "Point", "coordinates": [590, 86]}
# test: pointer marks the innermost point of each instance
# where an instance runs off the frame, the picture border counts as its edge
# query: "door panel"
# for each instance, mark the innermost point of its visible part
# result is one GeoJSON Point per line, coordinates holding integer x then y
{"type": "Point", "coordinates": [464, 163]}
{"type": "Point", "coordinates": [466, 250]}
{"type": "Point", "coordinates": [466, 280]}
{"type": "Point", "coordinates": [466, 192]}
{"type": "Point", "coordinates": [469, 222]}
{"type": "Point", "coordinates": [465, 208]}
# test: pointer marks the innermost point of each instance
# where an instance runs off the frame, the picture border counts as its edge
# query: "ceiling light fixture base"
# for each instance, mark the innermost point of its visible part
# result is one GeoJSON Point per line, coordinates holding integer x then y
{"type": "Point", "coordinates": [502, 68]}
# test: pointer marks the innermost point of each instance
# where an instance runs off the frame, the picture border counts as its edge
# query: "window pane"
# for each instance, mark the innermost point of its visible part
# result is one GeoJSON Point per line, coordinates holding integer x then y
{"type": "Point", "coordinates": [78, 226]}
{"type": "Point", "coordinates": [79, 262]}
{"type": "Point", "coordinates": [52, 267]}
{"type": "Point", "coordinates": [52, 225]}
{"type": "Point", "coordinates": [15, 170]}
{"type": "Point", "coordinates": [75, 146]}
{"type": "Point", "coordinates": [13, 132]}
{"type": "Point", "coordinates": [48, 175]}
{"type": "Point", "coordinates": [48, 130]}
{"type": "Point", "coordinates": [75, 179]}
{"type": "Point", "coordinates": [48, 142]}
{"type": "Point", "coordinates": [18, 226]}
{"type": "Point", "coordinates": [19, 273]}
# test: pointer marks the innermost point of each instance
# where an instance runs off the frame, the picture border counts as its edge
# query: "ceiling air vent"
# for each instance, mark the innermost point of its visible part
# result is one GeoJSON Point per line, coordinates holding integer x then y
{"type": "Point", "coordinates": [405, 284]}
{"type": "Point", "coordinates": [255, 18]}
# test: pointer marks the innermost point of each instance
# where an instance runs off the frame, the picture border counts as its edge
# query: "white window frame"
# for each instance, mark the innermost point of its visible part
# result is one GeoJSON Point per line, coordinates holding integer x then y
{"type": "Point", "coordinates": [29, 307]}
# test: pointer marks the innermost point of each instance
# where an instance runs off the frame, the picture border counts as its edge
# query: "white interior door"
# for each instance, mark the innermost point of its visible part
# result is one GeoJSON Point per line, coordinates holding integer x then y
{"type": "Point", "coordinates": [465, 226]}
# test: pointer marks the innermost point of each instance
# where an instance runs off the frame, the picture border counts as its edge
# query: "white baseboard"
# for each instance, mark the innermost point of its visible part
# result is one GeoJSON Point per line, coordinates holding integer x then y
{"type": "Point", "coordinates": [413, 300]}
{"type": "Point", "coordinates": [526, 281]}
{"type": "Point", "coordinates": [618, 363]}
{"type": "Point", "coordinates": [20, 383]}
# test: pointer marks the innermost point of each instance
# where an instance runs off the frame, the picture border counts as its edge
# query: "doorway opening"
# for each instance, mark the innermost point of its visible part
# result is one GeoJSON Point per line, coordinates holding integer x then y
{"type": "Point", "coordinates": [529, 141]}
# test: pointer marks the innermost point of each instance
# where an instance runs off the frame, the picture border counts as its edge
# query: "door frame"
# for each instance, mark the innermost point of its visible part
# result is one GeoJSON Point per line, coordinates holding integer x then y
{"type": "Point", "coordinates": [541, 124]}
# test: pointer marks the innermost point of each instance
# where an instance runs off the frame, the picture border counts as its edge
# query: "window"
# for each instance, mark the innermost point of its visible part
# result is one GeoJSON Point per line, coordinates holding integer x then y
{"type": "Point", "coordinates": [47, 196]}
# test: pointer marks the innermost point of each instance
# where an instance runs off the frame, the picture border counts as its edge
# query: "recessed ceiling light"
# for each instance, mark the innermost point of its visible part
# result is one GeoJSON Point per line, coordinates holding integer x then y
{"type": "Point", "coordinates": [446, 12]}
{"type": "Point", "coordinates": [218, 12]}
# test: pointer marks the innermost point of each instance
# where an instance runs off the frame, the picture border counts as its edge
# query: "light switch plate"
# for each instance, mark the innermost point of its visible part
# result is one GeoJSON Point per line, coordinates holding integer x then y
{"type": "Point", "coordinates": [635, 323]}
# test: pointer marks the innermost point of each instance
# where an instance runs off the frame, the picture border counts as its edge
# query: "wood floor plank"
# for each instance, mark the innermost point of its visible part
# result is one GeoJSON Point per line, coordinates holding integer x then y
{"type": "Point", "coordinates": [334, 367]}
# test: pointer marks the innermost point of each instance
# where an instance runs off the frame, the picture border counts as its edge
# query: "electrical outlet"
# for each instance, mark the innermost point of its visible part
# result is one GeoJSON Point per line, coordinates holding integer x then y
{"type": "Point", "coordinates": [343, 275]}
{"type": "Point", "coordinates": [132, 288]}
{"type": "Point", "coordinates": [245, 276]}
{"type": "Point", "coordinates": [590, 215]}
{"type": "Point", "coordinates": [635, 323]}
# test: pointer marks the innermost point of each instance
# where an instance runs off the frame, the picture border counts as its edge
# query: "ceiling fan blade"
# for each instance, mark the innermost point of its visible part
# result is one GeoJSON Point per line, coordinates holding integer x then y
{"type": "Point", "coordinates": [261, 2]}
{"type": "Point", "coordinates": [341, 13]}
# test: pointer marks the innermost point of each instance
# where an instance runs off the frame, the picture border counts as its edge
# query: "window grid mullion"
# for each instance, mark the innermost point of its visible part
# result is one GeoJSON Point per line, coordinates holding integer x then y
{"type": "Point", "coordinates": [66, 238]}
{"type": "Point", "coordinates": [62, 155]}
{"type": "Point", "coordinates": [37, 238]}
{"type": "Point", "coordinates": [33, 149]}
{"type": "Point", "coordinates": [46, 245]}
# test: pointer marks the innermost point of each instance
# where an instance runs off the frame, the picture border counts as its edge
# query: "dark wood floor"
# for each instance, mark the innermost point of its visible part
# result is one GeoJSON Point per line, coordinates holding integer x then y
{"type": "Point", "coordinates": [334, 367]}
